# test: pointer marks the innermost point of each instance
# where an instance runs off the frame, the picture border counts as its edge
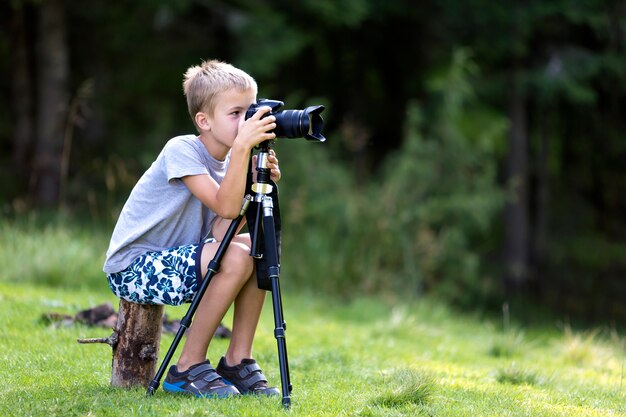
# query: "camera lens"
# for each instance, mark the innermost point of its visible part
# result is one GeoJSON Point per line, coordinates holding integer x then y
{"type": "Point", "coordinates": [307, 123]}
{"type": "Point", "coordinates": [288, 123]}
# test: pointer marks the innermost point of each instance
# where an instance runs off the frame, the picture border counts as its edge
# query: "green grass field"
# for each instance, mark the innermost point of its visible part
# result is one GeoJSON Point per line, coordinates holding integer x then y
{"type": "Point", "coordinates": [364, 358]}
{"type": "Point", "coordinates": [368, 357]}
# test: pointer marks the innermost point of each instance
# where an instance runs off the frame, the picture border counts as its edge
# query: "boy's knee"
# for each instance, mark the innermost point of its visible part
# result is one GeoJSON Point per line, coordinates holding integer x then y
{"type": "Point", "coordinates": [238, 261]}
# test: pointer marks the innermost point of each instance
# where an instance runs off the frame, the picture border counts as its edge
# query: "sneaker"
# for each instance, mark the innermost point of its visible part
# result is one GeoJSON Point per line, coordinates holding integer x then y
{"type": "Point", "coordinates": [247, 377]}
{"type": "Point", "coordinates": [200, 380]}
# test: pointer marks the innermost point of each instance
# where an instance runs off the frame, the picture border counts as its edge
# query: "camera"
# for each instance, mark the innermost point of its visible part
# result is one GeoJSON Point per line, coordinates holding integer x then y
{"type": "Point", "coordinates": [305, 123]}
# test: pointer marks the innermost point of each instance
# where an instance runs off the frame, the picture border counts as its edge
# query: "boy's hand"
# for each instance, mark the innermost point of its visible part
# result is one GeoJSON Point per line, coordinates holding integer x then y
{"type": "Point", "coordinates": [256, 129]}
{"type": "Point", "coordinates": [272, 164]}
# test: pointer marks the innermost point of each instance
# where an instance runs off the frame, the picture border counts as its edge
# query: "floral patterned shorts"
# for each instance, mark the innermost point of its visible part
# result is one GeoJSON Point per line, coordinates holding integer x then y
{"type": "Point", "coordinates": [168, 277]}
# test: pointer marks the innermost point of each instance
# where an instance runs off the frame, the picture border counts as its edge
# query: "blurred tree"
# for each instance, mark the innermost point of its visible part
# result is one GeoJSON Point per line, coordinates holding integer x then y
{"type": "Point", "coordinates": [40, 93]}
{"type": "Point", "coordinates": [22, 88]}
{"type": "Point", "coordinates": [553, 66]}
{"type": "Point", "coordinates": [52, 91]}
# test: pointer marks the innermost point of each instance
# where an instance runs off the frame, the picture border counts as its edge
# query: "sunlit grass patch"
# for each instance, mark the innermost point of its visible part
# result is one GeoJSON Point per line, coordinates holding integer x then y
{"type": "Point", "coordinates": [517, 375]}
{"type": "Point", "coordinates": [591, 351]}
{"type": "Point", "coordinates": [508, 344]}
{"type": "Point", "coordinates": [405, 386]}
{"type": "Point", "coordinates": [579, 348]}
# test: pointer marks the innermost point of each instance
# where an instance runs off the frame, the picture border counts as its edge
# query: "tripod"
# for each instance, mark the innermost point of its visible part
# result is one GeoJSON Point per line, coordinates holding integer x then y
{"type": "Point", "coordinates": [265, 249]}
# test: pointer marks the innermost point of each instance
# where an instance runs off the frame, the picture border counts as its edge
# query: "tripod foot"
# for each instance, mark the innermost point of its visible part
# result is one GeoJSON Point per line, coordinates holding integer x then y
{"type": "Point", "coordinates": [154, 385]}
{"type": "Point", "coordinates": [286, 402]}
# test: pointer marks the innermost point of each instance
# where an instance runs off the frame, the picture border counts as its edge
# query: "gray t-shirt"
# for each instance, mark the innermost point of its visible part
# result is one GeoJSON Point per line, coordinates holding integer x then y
{"type": "Point", "coordinates": [161, 212]}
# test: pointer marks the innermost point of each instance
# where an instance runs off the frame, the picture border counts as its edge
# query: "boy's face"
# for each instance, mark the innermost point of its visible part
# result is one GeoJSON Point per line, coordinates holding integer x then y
{"type": "Point", "coordinates": [229, 113]}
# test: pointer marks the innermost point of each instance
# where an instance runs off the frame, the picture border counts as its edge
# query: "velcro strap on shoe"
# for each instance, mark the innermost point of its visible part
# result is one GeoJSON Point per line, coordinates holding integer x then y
{"type": "Point", "coordinates": [250, 382]}
{"type": "Point", "coordinates": [205, 367]}
{"type": "Point", "coordinates": [248, 369]}
{"type": "Point", "coordinates": [210, 377]}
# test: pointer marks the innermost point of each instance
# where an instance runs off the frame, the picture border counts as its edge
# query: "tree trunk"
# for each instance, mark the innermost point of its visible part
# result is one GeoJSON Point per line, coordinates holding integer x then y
{"type": "Point", "coordinates": [542, 204]}
{"type": "Point", "coordinates": [22, 91]}
{"type": "Point", "coordinates": [52, 103]}
{"type": "Point", "coordinates": [516, 211]}
{"type": "Point", "coordinates": [136, 351]}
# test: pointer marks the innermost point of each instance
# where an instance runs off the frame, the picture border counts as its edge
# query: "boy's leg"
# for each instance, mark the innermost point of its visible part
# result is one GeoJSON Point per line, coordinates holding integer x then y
{"type": "Point", "coordinates": [248, 306]}
{"type": "Point", "coordinates": [236, 271]}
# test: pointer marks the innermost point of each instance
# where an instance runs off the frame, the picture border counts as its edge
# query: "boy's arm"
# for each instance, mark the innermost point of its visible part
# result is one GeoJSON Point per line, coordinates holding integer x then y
{"type": "Point", "coordinates": [225, 199]}
{"type": "Point", "coordinates": [221, 226]}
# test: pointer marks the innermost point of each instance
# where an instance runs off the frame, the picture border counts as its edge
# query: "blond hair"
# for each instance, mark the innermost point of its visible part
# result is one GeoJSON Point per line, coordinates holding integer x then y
{"type": "Point", "coordinates": [202, 83]}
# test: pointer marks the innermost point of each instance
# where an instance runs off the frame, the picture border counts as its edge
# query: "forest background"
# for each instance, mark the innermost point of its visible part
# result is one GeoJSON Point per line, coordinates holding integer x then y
{"type": "Point", "coordinates": [476, 150]}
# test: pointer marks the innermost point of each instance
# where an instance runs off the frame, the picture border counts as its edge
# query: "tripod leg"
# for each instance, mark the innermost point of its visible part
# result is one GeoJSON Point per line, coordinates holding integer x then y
{"type": "Point", "coordinates": [280, 327]}
{"type": "Point", "coordinates": [214, 266]}
{"type": "Point", "coordinates": [274, 271]}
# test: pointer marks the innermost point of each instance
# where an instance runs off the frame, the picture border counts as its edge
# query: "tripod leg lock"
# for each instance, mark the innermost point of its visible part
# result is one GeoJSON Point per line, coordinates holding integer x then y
{"type": "Point", "coordinates": [214, 266]}
{"type": "Point", "coordinates": [273, 272]}
{"type": "Point", "coordinates": [279, 333]}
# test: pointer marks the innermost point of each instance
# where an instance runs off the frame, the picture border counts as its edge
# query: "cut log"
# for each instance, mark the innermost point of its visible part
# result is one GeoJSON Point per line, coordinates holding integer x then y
{"type": "Point", "coordinates": [136, 351]}
{"type": "Point", "coordinates": [135, 340]}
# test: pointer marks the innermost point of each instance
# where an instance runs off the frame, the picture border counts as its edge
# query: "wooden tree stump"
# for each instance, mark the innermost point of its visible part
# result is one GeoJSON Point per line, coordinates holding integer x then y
{"type": "Point", "coordinates": [135, 344]}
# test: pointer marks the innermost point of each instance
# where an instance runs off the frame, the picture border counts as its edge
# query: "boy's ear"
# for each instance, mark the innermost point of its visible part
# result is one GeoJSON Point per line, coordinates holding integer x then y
{"type": "Point", "coordinates": [202, 121]}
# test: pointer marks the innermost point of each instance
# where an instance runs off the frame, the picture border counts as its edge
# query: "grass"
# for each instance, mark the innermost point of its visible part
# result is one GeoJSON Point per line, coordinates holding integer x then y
{"type": "Point", "coordinates": [364, 358]}
{"type": "Point", "coordinates": [347, 359]}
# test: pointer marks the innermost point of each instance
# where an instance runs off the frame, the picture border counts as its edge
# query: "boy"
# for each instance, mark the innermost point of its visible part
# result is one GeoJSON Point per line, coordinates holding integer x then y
{"type": "Point", "coordinates": [159, 249]}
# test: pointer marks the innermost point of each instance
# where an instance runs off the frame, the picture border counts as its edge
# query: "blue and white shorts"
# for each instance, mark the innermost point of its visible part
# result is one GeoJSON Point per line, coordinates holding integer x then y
{"type": "Point", "coordinates": [168, 277]}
